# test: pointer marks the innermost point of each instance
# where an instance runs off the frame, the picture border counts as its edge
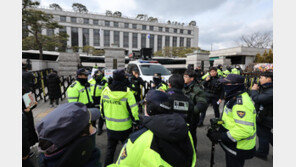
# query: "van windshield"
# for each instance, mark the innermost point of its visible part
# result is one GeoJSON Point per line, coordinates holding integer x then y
{"type": "Point", "coordinates": [150, 70]}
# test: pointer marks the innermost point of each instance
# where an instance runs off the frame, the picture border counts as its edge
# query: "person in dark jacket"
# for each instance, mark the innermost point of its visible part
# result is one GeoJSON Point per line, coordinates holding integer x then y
{"type": "Point", "coordinates": [25, 143]}
{"type": "Point", "coordinates": [137, 81]}
{"type": "Point", "coordinates": [263, 98]}
{"type": "Point", "coordinates": [54, 89]}
{"type": "Point", "coordinates": [199, 73]}
{"type": "Point", "coordinates": [27, 79]}
{"type": "Point", "coordinates": [214, 91]}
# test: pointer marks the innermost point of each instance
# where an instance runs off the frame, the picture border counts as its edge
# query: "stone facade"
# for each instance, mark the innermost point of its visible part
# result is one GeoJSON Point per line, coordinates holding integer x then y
{"type": "Point", "coordinates": [112, 54]}
{"type": "Point", "coordinates": [197, 58]}
{"type": "Point", "coordinates": [68, 63]}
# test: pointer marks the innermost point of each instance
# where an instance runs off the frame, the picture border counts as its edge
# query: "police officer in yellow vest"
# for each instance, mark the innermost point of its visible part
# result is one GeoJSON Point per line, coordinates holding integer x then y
{"type": "Point", "coordinates": [236, 70]}
{"type": "Point", "coordinates": [97, 85]}
{"type": "Point", "coordinates": [80, 91]}
{"type": "Point", "coordinates": [120, 111]}
{"type": "Point", "coordinates": [227, 71]}
{"type": "Point", "coordinates": [164, 139]}
{"type": "Point", "coordinates": [237, 135]}
{"type": "Point", "coordinates": [158, 84]}
{"type": "Point", "coordinates": [219, 70]}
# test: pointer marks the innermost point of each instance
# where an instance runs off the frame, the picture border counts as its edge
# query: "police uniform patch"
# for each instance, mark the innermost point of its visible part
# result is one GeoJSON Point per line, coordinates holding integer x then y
{"type": "Point", "coordinates": [241, 114]}
{"type": "Point", "coordinates": [239, 100]}
{"type": "Point", "coordinates": [73, 84]}
{"type": "Point", "coordinates": [123, 154]}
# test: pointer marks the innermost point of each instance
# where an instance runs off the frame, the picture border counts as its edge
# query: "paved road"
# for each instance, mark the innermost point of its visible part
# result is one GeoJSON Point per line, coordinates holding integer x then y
{"type": "Point", "coordinates": [204, 145]}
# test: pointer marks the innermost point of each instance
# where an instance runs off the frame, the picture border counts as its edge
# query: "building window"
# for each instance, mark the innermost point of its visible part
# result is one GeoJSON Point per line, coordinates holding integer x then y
{"type": "Point", "coordinates": [160, 29]}
{"type": "Point", "coordinates": [74, 36]}
{"type": "Point", "coordinates": [151, 28]}
{"type": "Point", "coordinates": [116, 38]}
{"type": "Point", "coordinates": [49, 32]}
{"type": "Point", "coordinates": [143, 40]}
{"type": "Point", "coordinates": [188, 42]}
{"type": "Point", "coordinates": [64, 42]}
{"type": "Point", "coordinates": [115, 24]}
{"type": "Point", "coordinates": [159, 42]}
{"type": "Point", "coordinates": [189, 31]}
{"type": "Point", "coordinates": [174, 41]}
{"type": "Point", "coordinates": [167, 29]}
{"type": "Point", "coordinates": [134, 26]}
{"type": "Point", "coordinates": [96, 37]}
{"type": "Point", "coordinates": [107, 23]}
{"type": "Point", "coordinates": [62, 18]}
{"type": "Point", "coordinates": [135, 40]}
{"type": "Point", "coordinates": [167, 41]}
{"type": "Point", "coordinates": [107, 38]}
{"type": "Point", "coordinates": [181, 31]}
{"type": "Point", "coordinates": [126, 25]}
{"type": "Point", "coordinates": [181, 41]}
{"type": "Point", "coordinates": [151, 43]}
{"type": "Point", "coordinates": [144, 27]}
{"type": "Point", "coordinates": [125, 39]}
{"type": "Point", "coordinates": [85, 21]}
{"type": "Point", "coordinates": [85, 36]}
{"type": "Point", "coordinates": [73, 20]}
{"type": "Point", "coordinates": [96, 22]}
{"type": "Point", "coordinates": [175, 30]}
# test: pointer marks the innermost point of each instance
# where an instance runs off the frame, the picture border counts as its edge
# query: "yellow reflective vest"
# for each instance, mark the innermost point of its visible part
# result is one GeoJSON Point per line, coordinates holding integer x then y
{"type": "Point", "coordinates": [235, 71]}
{"type": "Point", "coordinates": [97, 89]}
{"type": "Point", "coordinates": [240, 121]}
{"type": "Point", "coordinates": [139, 153]}
{"type": "Point", "coordinates": [163, 87]}
{"type": "Point", "coordinates": [226, 73]}
{"type": "Point", "coordinates": [119, 109]}
{"type": "Point", "coordinates": [78, 93]}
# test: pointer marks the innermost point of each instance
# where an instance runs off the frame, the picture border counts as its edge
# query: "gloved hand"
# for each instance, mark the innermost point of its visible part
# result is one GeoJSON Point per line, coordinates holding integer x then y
{"type": "Point", "coordinates": [136, 125]}
{"type": "Point", "coordinates": [214, 136]}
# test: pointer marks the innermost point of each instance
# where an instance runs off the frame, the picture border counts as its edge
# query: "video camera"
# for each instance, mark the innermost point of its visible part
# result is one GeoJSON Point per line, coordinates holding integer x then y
{"type": "Point", "coordinates": [215, 123]}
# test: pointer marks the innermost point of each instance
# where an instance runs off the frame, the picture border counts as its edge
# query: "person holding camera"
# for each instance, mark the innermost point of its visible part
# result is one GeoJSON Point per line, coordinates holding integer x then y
{"type": "Point", "coordinates": [237, 134]}
{"type": "Point", "coordinates": [263, 98]}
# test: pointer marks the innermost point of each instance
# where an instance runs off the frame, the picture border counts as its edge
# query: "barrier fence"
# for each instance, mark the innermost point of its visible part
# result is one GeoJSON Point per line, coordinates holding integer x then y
{"type": "Point", "coordinates": [40, 90]}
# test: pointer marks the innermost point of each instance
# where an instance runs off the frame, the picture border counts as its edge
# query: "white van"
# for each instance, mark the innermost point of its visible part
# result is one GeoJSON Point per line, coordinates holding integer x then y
{"type": "Point", "coordinates": [147, 68]}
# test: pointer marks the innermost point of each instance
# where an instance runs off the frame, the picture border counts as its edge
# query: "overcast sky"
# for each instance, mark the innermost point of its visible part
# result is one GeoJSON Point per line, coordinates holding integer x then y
{"type": "Point", "coordinates": [220, 22]}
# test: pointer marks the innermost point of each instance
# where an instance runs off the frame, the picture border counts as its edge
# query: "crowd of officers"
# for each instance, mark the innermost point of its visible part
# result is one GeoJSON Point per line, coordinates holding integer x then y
{"type": "Point", "coordinates": [160, 128]}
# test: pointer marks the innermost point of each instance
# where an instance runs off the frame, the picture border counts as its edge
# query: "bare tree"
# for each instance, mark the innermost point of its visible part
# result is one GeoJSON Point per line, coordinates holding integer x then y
{"type": "Point", "coordinates": [257, 40]}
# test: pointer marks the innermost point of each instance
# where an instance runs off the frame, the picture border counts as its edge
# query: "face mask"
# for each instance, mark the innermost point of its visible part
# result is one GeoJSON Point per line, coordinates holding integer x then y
{"type": "Point", "coordinates": [82, 81]}
{"type": "Point", "coordinates": [156, 80]}
{"type": "Point", "coordinates": [98, 78]}
{"type": "Point", "coordinates": [232, 90]}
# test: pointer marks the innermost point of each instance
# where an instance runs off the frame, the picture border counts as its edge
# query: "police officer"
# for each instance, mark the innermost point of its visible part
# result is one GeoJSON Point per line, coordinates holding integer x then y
{"type": "Point", "coordinates": [214, 91]}
{"type": "Point", "coordinates": [80, 91]}
{"type": "Point", "coordinates": [158, 83]}
{"type": "Point", "coordinates": [164, 139]}
{"type": "Point", "coordinates": [219, 70]}
{"type": "Point", "coordinates": [137, 81]}
{"type": "Point", "coordinates": [236, 70]}
{"type": "Point", "coordinates": [195, 93]}
{"type": "Point", "coordinates": [199, 73]}
{"type": "Point", "coordinates": [97, 85]}
{"type": "Point", "coordinates": [227, 71]}
{"type": "Point", "coordinates": [120, 111]}
{"type": "Point", "coordinates": [263, 97]}
{"type": "Point", "coordinates": [237, 135]}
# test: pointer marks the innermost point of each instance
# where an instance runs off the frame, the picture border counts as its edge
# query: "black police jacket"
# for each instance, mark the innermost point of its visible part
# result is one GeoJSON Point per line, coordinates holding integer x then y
{"type": "Point", "coordinates": [264, 104]}
{"type": "Point", "coordinates": [213, 87]}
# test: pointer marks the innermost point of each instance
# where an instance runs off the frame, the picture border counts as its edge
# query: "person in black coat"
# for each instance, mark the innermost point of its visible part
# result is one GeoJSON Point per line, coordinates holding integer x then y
{"type": "Point", "coordinates": [263, 98]}
{"type": "Point", "coordinates": [25, 142]}
{"type": "Point", "coordinates": [27, 79]}
{"type": "Point", "coordinates": [54, 89]}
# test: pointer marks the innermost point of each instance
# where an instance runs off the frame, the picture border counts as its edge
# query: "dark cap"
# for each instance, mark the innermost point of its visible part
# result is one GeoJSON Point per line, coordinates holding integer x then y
{"type": "Point", "coordinates": [65, 123]}
{"type": "Point", "coordinates": [82, 71]}
{"type": "Point", "coordinates": [159, 100]}
{"type": "Point", "coordinates": [119, 75]}
{"type": "Point", "coordinates": [232, 78]}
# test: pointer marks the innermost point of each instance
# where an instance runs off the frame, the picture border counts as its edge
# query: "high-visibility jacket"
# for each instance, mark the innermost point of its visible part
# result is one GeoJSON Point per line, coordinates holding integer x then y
{"type": "Point", "coordinates": [78, 93]}
{"type": "Point", "coordinates": [97, 88]}
{"type": "Point", "coordinates": [139, 153]}
{"type": "Point", "coordinates": [220, 73]}
{"type": "Point", "coordinates": [205, 76]}
{"type": "Point", "coordinates": [119, 108]}
{"type": "Point", "coordinates": [163, 87]}
{"type": "Point", "coordinates": [235, 71]}
{"type": "Point", "coordinates": [226, 73]}
{"type": "Point", "coordinates": [240, 121]}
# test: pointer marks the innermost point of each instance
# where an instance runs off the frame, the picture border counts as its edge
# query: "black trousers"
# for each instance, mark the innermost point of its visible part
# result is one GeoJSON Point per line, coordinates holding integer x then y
{"type": "Point", "coordinates": [113, 137]}
{"type": "Point", "coordinates": [101, 123]}
{"type": "Point", "coordinates": [265, 138]}
{"type": "Point", "coordinates": [233, 161]}
{"type": "Point", "coordinates": [213, 101]}
{"type": "Point", "coordinates": [56, 101]}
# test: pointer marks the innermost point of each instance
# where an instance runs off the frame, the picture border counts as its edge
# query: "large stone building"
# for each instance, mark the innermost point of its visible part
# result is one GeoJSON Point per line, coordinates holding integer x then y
{"type": "Point", "coordinates": [101, 31]}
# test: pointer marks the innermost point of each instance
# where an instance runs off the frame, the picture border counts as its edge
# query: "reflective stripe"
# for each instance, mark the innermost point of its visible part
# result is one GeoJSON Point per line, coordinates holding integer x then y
{"type": "Point", "coordinates": [72, 97]}
{"type": "Point", "coordinates": [92, 84]}
{"type": "Point", "coordinates": [251, 137]}
{"type": "Point", "coordinates": [227, 110]}
{"type": "Point", "coordinates": [106, 97]}
{"type": "Point", "coordinates": [228, 149]}
{"type": "Point", "coordinates": [230, 137]}
{"type": "Point", "coordinates": [118, 120]}
{"type": "Point", "coordinates": [81, 90]}
{"type": "Point", "coordinates": [243, 122]}
{"type": "Point", "coordinates": [123, 99]}
{"type": "Point", "coordinates": [134, 105]}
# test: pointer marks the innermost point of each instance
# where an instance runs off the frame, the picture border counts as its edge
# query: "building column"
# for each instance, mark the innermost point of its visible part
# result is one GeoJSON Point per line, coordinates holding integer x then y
{"type": "Point", "coordinates": [139, 41]}
{"type": "Point", "coordinates": [155, 42]}
{"type": "Point", "coordinates": [130, 44]}
{"type": "Point", "coordinates": [101, 38]}
{"type": "Point", "coordinates": [91, 37]}
{"type": "Point", "coordinates": [80, 39]}
{"type": "Point", "coordinates": [69, 41]}
{"type": "Point", "coordinates": [56, 31]}
{"type": "Point", "coordinates": [185, 42]}
{"type": "Point", "coordinates": [111, 38]}
{"type": "Point", "coordinates": [120, 39]}
{"type": "Point", "coordinates": [178, 41]}
{"type": "Point", "coordinates": [147, 41]}
{"type": "Point", "coordinates": [171, 41]}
